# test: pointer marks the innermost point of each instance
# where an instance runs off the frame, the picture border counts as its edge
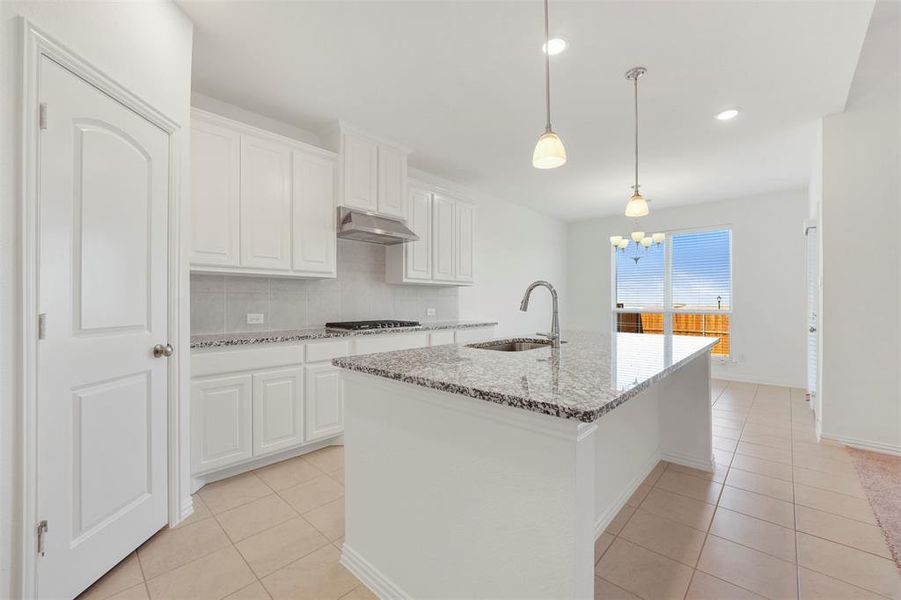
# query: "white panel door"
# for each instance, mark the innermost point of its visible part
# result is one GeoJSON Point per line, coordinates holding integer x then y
{"type": "Point", "coordinates": [443, 226]}
{"type": "Point", "coordinates": [265, 204]}
{"type": "Point", "coordinates": [103, 194]}
{"type": "Point", "coordinates": [277, 410]}
{"type": "Point", "coordinates": [324, 401]}
{"type": "Point", "coordinates": [221, 417]}
{"type": "Point", "coordinates": [418, 260]}
{"type": "Point", "coordinates": [360, 172]}
{"type": "Point", "coordinates": [813, 296]}
{"type": "Point", "coordinates": [215, 199]}
{"type": "Point", "coordinates": [464, 241]}
{"type": "Point", "coordinates": [313, 195]}
{"type": "Point", "coordinates": [392, 181]}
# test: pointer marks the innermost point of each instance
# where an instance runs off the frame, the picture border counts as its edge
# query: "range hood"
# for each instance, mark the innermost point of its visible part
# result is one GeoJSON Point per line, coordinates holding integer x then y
{"type": "Point", "coordinates": [375, 229]}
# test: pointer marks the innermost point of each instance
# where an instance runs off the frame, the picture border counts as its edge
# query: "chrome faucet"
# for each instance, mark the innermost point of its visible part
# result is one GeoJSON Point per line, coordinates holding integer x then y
{"type": "Point", "coordinates": [554, 335]}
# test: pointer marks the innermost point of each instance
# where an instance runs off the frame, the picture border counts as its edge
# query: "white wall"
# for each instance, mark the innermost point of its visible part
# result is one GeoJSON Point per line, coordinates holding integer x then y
{"type": "Point", "coordinates": [147, 48]}
{"type": "Point", "coordinates": [860, 320]}
{"type": "Point", "coordinates": [768, 278]}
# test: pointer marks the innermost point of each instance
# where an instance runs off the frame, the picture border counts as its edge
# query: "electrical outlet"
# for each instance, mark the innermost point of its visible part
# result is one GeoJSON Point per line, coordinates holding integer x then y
{"type": "Point", "coordinates": [430, 312]}
{"type": "Point", "coordinates": [255, 319]}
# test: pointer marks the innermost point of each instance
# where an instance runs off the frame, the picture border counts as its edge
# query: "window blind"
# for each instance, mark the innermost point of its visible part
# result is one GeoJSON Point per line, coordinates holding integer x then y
{"type": "Point", "coordinates": [639, 283]}
{"type": "Point", "coordinates": [702, 270]}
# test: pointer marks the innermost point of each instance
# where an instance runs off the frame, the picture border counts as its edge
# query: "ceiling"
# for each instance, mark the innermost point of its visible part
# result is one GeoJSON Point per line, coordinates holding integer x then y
{"type": "Point", "coordinates": [462, 83]}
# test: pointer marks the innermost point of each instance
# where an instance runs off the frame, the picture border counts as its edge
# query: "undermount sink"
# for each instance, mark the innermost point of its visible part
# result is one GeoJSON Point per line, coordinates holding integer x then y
{"type": "Point", "coordinates": [511, 345]}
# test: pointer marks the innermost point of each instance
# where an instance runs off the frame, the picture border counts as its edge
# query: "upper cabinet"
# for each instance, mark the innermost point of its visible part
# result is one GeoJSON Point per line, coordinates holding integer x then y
{"type": "Point", "coordinates": [261, 203]}
{"type": "Point", "coordinates": [444, 253]}
{"type": "Point", "coordinates": [372, 172]}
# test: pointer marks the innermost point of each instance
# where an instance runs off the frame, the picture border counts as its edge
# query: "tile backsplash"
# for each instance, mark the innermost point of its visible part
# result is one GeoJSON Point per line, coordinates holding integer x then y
{"type": "Point", "coordinates": [220, 303]}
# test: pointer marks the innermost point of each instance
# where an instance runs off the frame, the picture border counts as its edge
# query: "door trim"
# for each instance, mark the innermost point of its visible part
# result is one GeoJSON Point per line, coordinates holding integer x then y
{"type": "Point", "coordinates": [36, 44]}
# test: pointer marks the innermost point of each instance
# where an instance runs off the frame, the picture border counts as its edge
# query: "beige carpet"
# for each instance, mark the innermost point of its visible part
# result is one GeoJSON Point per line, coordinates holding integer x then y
{"type": "Point", "coordinates": [880, 475]}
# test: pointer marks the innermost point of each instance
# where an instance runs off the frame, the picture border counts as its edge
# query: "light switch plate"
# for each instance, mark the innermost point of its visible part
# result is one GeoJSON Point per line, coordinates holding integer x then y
{"type": "Point", "coordinates": [430, 312]}
{"type": "Point", "coordinates": [255, 319]}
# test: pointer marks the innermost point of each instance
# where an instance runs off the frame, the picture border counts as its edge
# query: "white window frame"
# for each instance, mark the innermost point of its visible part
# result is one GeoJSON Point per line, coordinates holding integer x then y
{"type": "Point", "coordinates": [667, 309]}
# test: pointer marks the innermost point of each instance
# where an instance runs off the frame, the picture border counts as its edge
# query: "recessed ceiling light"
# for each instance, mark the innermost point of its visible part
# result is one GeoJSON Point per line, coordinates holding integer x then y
{"type": "Point", "coordinates": [729, 113]}
{"type": "Point", "coordinates": [554, 46]}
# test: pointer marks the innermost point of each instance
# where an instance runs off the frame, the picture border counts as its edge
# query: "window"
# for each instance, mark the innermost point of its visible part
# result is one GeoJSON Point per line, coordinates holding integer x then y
{"type": "Point", "coordinates": [683, 286]}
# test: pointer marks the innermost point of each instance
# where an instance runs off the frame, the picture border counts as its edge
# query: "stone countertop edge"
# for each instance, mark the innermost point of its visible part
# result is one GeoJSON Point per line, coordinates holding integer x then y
{"type": "Point", "coordinates": [223, 340]}
{"type": "Point", "coordinates": [518, 401]}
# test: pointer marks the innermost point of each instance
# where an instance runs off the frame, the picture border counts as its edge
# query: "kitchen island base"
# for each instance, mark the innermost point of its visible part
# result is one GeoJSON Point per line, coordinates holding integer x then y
{"type": "Point", "coordinates": [449, 496]}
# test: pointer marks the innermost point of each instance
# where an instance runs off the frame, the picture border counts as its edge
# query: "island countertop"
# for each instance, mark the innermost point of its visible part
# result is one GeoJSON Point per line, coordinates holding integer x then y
{"type": "Point", "coordinates": [590, 375]}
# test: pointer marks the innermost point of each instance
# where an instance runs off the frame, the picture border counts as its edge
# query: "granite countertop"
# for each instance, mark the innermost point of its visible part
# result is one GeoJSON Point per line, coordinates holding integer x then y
{"type": "Point", "coordinates": [315, 333]}
{"type": "Point", "coordinates": [589, 376]}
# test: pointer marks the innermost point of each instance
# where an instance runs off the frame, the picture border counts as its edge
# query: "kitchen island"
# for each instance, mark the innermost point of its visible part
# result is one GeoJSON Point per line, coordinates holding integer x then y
{"type": "Point", "coordinates": [474, 472]}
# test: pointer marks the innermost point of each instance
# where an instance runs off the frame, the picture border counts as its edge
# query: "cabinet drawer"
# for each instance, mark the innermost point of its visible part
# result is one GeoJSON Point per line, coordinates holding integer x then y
{"type": "Point", "coordinates": [389, 342]}
{"type": "Point", "coordinates": [321, 351]}
{"type": "Point", "coordinates": [438, 338]}
{"type": "Point", "coordinates": [264, 357]}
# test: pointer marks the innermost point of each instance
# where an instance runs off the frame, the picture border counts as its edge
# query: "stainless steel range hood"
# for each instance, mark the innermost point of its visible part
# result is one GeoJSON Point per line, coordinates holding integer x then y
{"type": "Point", "coordinates": [375, 229]}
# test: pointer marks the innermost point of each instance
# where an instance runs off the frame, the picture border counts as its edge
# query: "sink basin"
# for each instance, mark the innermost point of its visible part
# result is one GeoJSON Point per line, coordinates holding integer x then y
{"type": "Point", "coordinates": [511, 345]}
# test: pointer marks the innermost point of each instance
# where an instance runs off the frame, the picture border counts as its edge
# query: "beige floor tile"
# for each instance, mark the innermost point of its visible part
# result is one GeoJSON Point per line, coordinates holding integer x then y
{"type": "Point", "coordinates": [727, 433]}
{"type": "Point", "coordinates": [664, 536]}
{"type": "Point", "coordinates": [338, 476]}
{"type": "Point", "coordinates": [725, 444]}
{"type": "Point", "coordinates": [803, 434]}
{"type": "Point", "coordinates": [124, 575]}
{"type": "Point", "coordinates": [834, 482]}
{"type": "Point", "coordinates": [822, 450]}
{"type": "Point", "coordinates": [328, 459]}
{"type": "Point", "coordinates": [718, 475]}
{"type": "Point", "coordinates": [773, 441]}
{"type": "Point", "coordinates": [655, 473]}
{"type": "Point", "coordinates": [281, 545]}
{"type": "Point", "coordinates": [837, 504]}
{"type": "Point", "coordinates": [288, 473]}
{"type": "Point", "coordinates": [816, 586]}
{"type": "Point", "coordinates": [749, 569]}
{"type": "Point", "coordinates": [233, 492]}
{"type": "Point", "coordinates": [760, 484]}
{"type": "Point", "coordinates": [604, 590]}
{"type": "Point", "coordinates": [601, 544]}
{"type": "Point", "coordinates": [317, 576]}
{"type": "Point", "coordinates": [764, 452]}
{"type": "Point", "coordinates": [313, 494]}
{"type": "Point", "coordinates": [681, 509]}
{"type": "Point", "coordinates": [754, 533]}
{"type": "Point", "coordinates": [254, 591]}
{"type": "Point", "coordinates": [708, 587]}
{"type": "Point", "coordinates": [732, 422]}
{"type": "Point", "coordinates": [211, 577]}
{"type": "Point", "coordinates": [360, 593]}
{"type": "Point", "coordinates": [760, 506]}
{"type": "Point", "coordinates": [136, 592]}
{"type": "Point", "coordinates": [638, 495]}
{"type": "Point", "coordinates": [774, 430]}
{"type": "Point", "coordinates": [642, 572]}
{"type": "Point", "coordinates": [619, 521]}
{"type": "Point", "coordinates": [820, 463]}
{"type": "Point", "coordinates": [200, 513]}
{"type": "Point", "coordinates": [328, 518]}
{"type": "Point", "coordinates": [849, 565]}
{"type": "Point", "coordinates": [173, 548]}
{"type": "Point", "coordinates": [763, 467]}
{"type": "Point", "coordinates": [849, 532]}
{"type": "Point", "coordinates": [723, 459]}
{"type": "Point", "coordinates": [255, 516]}
{"type": "Point", "coordinates": [693, 487]}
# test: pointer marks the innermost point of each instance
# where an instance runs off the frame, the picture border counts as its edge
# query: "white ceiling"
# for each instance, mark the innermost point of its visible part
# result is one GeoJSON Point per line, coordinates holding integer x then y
{"type": "Point", "coordinates": [462, 83]}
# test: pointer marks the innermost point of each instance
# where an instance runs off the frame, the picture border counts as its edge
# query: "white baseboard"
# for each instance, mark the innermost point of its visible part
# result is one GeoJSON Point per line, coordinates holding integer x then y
{"type": "Point", "coordinates": [187, 508]}
{"type": "Point", "coordinates": [689, 461]}
{"type": "Point", "coordinates": [880, 447]}
{"type": "Point", "coordinates": [371, 577]}
{"type": "Point", "coordinates": [604, 518]}
{"type": "Point", "coordinates": [719, 374]}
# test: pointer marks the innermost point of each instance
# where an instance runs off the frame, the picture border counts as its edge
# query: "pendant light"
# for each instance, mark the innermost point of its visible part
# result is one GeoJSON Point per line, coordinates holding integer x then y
{"type": "Point", "coordinates": [549, 151]}
{"type": "Point", "coordinates": [637, 206]}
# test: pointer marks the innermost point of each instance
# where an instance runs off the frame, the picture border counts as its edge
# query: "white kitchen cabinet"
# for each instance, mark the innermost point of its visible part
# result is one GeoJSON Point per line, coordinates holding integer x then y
{"type": "Point", "coordinates": [215, 194]}
{"type": "Point", "coordinates": [443, 238]}
{"type": "Point", "coordinates": [277, 410]}
{"type": "Point", "coordinates": [324, 401]}
{"type": "Point", "coordinates": [412, 262]}
{"type": "Point", "coordinates": [265, 204]}
{"type": "Point", "coordinates": [472, 335]}
{"type": "Point", "coordinates": [313, 204]}
{"type": "Point", "coordinates": [392, 181]}
{"type": "Point", "coordinates": [441, 337]}
{"type": "Point", "coordinates": [464, 221]}
{"type": "Point", "coordinates": [359, 163]}
{"type": "Point", "coordinates": [221, 422]}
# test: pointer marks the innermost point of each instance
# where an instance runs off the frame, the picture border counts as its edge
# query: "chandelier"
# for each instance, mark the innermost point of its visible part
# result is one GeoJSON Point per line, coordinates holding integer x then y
{"type": "Point", "coordinates": [647, 242]}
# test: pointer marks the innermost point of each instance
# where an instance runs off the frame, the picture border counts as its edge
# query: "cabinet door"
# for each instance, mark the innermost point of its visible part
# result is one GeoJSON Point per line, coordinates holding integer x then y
{"type": "Point", "coordinates": [313, 193]}
{"type": "Point", "coordinates": [220, 422]}
{"type": "Point", "coordinates": [265, 204]}
{"type": "Point", "coordinates": [443, 221]}
{"type": "Point", "coordinates": [418, 259]}
{"type": "Point", "coordinates": [215, 206]}
{"type": "Point", "coordinates": [277, 410]}
{"type": "Point", "coordinates": [324, 401]}
{"type": "Point", "coordinates": [359, 157]}
{"type": "Point", "coordinates": [465, 221]}
{"type": "Point", "coordinates": [392, 181]}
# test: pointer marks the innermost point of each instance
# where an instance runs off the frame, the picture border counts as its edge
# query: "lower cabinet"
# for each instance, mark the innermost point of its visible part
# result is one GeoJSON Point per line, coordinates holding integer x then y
{"type": "Point", "coordinates": [277, 410]}
{"type": "Point", "coordinates": [221, 417]}
{"type": "Point", "coordinates": [324, 401]}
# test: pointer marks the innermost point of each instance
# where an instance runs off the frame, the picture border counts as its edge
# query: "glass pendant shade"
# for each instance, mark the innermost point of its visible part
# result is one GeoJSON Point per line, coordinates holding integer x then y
{"type": "Point", "coordinates": [637, 236]}
{"type": "Point", "coordinates": [659, 237]}
{"type": "Point", "coordinates": [623, 244]}
{"type": "Point", "coordinates": [637, 206]}
{"type": "Point", "coordinates": [646, 242]}
{"type": "Point", "coordinates": [616, 239]}
{"type": "Point", "coordinates": [549, 152]}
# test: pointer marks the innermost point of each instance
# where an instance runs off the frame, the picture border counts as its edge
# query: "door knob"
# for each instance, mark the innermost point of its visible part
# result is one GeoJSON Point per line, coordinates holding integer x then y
{"type": "Point", "coordinates": [161, 350]}
{"type": "Point", "coordinates": [811, 329]}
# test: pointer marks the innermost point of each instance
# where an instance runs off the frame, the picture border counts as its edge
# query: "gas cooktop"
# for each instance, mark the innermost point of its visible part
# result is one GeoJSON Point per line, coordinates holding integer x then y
{"type": "Point", "coordinates": [361, 325]}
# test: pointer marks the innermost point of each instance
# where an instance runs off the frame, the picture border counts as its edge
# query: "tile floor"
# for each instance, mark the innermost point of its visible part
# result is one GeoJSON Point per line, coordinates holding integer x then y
{"type": "Point", "coordinates": [783, 517]}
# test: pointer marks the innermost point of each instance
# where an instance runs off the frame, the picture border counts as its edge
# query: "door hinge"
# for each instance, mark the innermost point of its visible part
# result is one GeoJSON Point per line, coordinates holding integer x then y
{"type": "Point", "coordinates": [42, 116]}
{"type": "Point", "coordinates": [42, 326]}
{"type": "Point", "coordinates": [42, 534]}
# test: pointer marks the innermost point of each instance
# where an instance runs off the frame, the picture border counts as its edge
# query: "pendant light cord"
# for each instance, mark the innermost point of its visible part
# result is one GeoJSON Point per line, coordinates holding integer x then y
{"type": "Point", "coordinates": [636, 134]}
{"type": "Point", "coordinates": [547, 70]}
